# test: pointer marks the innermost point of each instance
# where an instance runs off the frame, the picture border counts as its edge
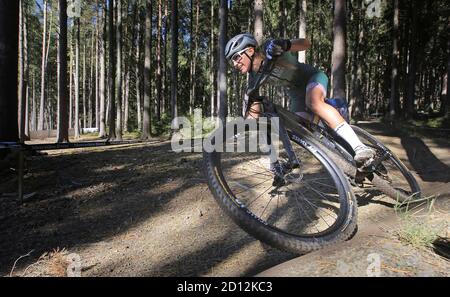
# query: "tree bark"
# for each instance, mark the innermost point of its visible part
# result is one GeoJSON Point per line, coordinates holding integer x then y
{"type": "Point", "coordinates": [394, 74]}
{"type": "Point", "coordinates": [97, 61]}
{"type": "Point", "coordinates": [22, 89]}
{"type": "Point", "coordinates": [339, 49]}
{"type": "Point", "coordinates": [9, 32]}
{"type": "Point", "coordinates": [43, 70]}
{"type": "Point", "coordinates": [301, 8]}
{"type": "Point", "coordinates": [357, 66]}
{"type": "Point", "coordinates": [195, 57]}
{"type": "Point", "coordinates": [412, 64]}
{"type": "Point", "coordinates": [174, 70]}
{"type": "Point", "coordinates": [138, 75]}
{"type": "Point", "coordinates": [259, 24]}
{"type": "Point", "coordinates": [102, 86]}
{"type": "Point", "coordinates": [91, 84]}
{"type": "Point", "coordinates": [33, 108]}
{"type": "Point", "coordinates": [63, 120]}
{"type": "Point", "coordinates": [71, 99]}
{"type": "Point", "coordinates": [191, 55]}
{"type": "Point", "coordinates": [447, 104]}
{"type": "Point", "coordinates": [77, 80]}
{"type": "Point", "coordinates": [158, 96]}
{"type": "Point", "coordinates": [211, 62]}
{"type": "Point", "coordinates": [83, 88]}
{"type": "Point", "coordinates": [146, 129]}
{"type": "Point", "coordinates": [112, 73]}
{"type": "Point", "coordinates": [119, 82]}
{"type": "Point", "coordinates": [222, 75]}
{"type": "Point", "coordinates": [165, 87]}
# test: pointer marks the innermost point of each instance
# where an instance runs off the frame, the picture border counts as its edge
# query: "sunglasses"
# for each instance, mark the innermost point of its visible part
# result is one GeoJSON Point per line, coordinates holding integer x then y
{"type": "Point", "coordinates": [236, 58]}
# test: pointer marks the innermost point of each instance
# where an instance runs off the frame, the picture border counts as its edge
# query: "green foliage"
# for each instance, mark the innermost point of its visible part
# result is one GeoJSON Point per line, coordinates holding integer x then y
{"type": "Point", "coordinates": [370, 39]}
{"type": "Point", "coordinates": [418, 226]}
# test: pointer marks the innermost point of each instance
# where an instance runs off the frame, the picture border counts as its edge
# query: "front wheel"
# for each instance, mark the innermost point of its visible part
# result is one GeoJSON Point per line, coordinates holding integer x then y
{"type": "Point", "coordinates": [313, 209]}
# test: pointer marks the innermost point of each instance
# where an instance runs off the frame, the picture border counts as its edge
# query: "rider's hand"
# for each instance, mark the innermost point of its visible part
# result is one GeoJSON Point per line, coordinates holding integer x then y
{"type": "Point", "coordinates": [276, 47]}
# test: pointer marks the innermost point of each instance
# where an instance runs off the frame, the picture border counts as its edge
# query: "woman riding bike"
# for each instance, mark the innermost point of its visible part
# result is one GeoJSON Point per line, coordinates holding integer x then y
{"type": "Point", "coordinates": [306, 86]}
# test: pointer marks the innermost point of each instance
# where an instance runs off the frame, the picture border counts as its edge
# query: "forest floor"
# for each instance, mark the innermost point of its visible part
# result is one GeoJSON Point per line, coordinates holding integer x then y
{"type": "Point", "coordinates": [143, 210]}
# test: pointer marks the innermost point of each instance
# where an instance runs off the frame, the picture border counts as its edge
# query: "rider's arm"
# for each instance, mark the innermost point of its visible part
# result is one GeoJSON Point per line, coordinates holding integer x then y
{"type": "Point", "coordinates": [299, 45]}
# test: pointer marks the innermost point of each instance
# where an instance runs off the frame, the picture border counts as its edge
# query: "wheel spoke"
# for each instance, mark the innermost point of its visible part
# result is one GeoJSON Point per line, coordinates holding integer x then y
{"type": "Point", "coordinates": [315, 198]}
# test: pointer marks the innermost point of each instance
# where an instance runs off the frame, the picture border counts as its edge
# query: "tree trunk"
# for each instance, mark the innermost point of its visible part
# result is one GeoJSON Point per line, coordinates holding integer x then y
{"type": "Point", "coordinates": [211, 62]}
{"type": "Point", "coordinates": [27, 72]}
{"type": "Point", "coordinates": [166, 92]}
{"type": "Point", "coordinates": [9, 25]}
{"type": "Point", "coordinates": [191, 55]}
{"type": "Point", "coordinates": [91, 80]}
{"type": "Point", "coordinates": [63, 120]}
{"type": "Point", "coordinates": [102, 86]}
{"type": "Point", "coordinates": [259, 24]}
{"type": "Point", "coordinates": [339, 49]}
{"type": "Point", "coordinates": [222, 75]}
{"type": "Point", "coordinates": [97, 61]}
{"type": "Point", "coordinates": [301, 9]}
{"type": "Point", "coordinates": [283, 33]}
{"type": "Point", "coordinates": [195, 58]}
{"type": "Point", "coordinates": [77, 80]}
{"type": "Point", "coordinates": [43, 70]}
{"type": "Point", "coordinates": [23, 76]}
{"type": "Point", "coordinates": [174, 74]}
{"type": "Point", "coordinates": [282, 19]}
{"type": "Point", "coordinates": [158, 96]}
{"type": "Point", "coordinates": [410, 99]}
{"type": "Point", "coordinates": [447, 104]}
{"type": "Point", "coordinates": [112, 73]}
{"type": "Point", "coordinates": [71, 83]}
{"type": "Point", "coordinates": [165, 87]}
{"type": "Point", "coordinates": [33, 108]}
{"type": "Point", "coordinates": [119, 82]}
{"type": "Point", "coordinates": [127, 101]}
{"type": "Point", "coordinates": [394, 75]}
{"type": "Point", "coordinates": [84, 85]}
{"type": "Point", "coordinates": [146, 129]}
{"type": "Point", "coordinates": [138, 75]}
{"type": "Point", "coordinates": [357, 70]}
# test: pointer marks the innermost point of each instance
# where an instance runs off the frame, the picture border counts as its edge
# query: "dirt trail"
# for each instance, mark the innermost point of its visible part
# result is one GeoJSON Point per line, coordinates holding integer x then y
{"type": "Point", "coordinates": [376, 240]}
{"type": "Point", "coordinates": [142, 210]}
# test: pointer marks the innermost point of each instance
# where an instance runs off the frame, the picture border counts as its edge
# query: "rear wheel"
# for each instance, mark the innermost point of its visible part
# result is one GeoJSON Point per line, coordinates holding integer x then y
{"type": "Point", "coordinates": [393, 177]}
{"type": "Point", "coordinates": [390, 176]}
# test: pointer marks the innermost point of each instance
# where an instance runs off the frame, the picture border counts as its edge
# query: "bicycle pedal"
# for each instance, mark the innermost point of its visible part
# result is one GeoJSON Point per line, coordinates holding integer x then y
{"type": "Point", "coordinates": [366, 166]}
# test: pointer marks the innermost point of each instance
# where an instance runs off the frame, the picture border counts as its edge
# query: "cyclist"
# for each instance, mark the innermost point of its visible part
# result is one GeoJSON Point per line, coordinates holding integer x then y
{"type": "Point", "coordinates": [305, 85]}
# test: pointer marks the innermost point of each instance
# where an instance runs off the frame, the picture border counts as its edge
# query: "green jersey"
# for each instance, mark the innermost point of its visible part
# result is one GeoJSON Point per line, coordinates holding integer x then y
{"type": "Point", "coordinates": [294, 77]}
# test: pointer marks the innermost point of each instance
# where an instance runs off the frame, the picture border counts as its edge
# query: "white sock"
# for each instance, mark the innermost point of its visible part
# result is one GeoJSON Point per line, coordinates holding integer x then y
{"type": "Point", "coordinates": [346, 132]}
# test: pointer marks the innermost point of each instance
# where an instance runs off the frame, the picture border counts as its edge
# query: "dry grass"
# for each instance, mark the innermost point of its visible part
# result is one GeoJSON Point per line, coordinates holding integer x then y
{"type": "Point", "coordinates": [420, 227]}
{"type": "Point", "coordinates": [50, 264]}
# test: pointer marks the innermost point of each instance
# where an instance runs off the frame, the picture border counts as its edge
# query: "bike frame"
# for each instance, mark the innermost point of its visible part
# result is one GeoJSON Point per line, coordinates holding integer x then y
{"type": "Point", "coordinates": [291, 124]}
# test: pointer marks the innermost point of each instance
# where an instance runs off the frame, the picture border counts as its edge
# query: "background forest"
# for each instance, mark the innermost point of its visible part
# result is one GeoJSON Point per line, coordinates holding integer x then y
{"type": "Point", "coordinates": [133, 65]}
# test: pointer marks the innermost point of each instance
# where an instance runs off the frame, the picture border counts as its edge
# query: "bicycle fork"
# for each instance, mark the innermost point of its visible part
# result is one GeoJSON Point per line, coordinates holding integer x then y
{"type": "Point", "coordinates": [281, 131]}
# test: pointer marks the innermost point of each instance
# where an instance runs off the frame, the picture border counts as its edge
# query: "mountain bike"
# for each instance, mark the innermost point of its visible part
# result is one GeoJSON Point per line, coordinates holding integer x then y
{"type": "Point", "coordinates": [313, 205]}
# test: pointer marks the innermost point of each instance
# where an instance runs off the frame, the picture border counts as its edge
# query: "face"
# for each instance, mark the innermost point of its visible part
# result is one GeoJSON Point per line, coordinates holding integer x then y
{"type": "Point", "coordinates": [241, 61]}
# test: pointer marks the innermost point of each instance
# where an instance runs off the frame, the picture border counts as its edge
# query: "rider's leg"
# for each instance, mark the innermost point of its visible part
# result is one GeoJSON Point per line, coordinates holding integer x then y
{"type": "Point", "coordinates": [315, 100]}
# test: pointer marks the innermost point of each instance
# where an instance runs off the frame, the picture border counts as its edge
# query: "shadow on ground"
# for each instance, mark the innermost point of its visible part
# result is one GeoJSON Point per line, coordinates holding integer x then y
{"type": "Point", "coordinates": [95, 195]}
{"type": "Point", "coordinates": [87, 196]}
{"type": "Point", "coordinates": [423, 161]}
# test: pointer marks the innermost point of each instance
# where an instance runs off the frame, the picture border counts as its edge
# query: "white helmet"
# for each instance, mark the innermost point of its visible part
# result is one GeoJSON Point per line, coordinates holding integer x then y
{"type": "Point", "coordinates": [239, 43]}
